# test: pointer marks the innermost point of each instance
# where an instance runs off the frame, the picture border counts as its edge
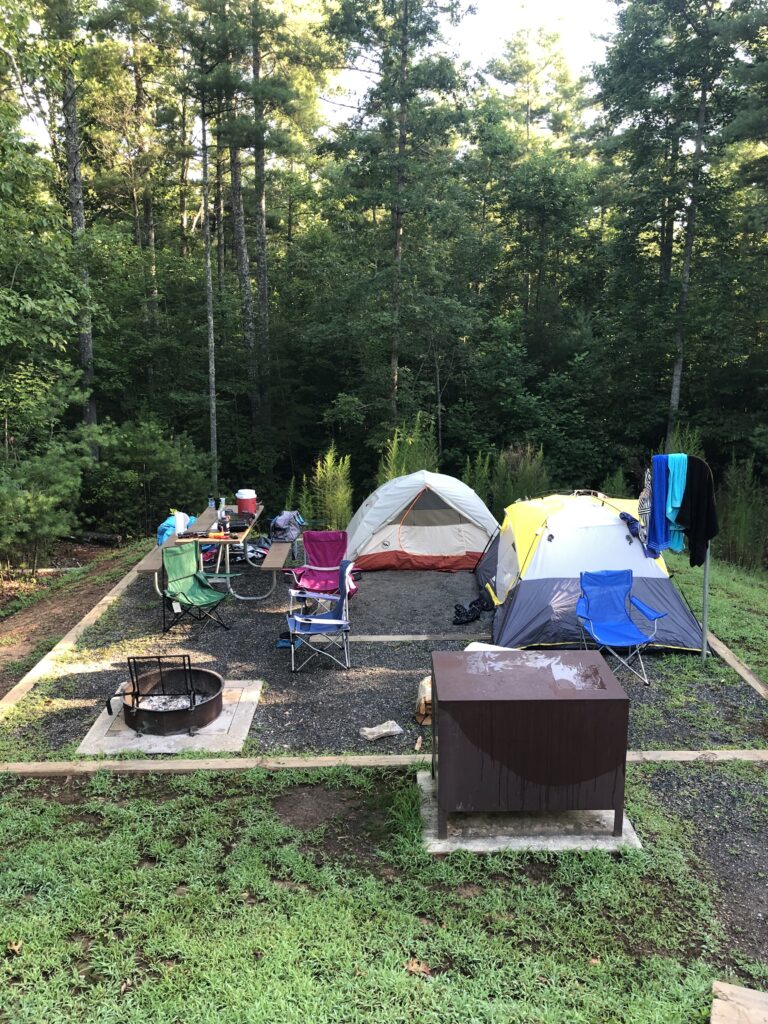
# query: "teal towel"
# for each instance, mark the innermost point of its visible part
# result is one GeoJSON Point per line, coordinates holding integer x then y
{"type": "Point", "coordinates": [678, 472]}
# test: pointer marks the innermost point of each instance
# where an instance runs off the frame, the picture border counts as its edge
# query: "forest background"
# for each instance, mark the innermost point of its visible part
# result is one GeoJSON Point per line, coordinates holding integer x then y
{"type": "Point", "coordinates": [506, 273]}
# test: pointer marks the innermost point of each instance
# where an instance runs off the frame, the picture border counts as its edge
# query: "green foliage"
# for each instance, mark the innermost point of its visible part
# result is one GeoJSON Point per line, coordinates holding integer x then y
{"type": "Point", "coordinates": [306, 500]}
{"type": "Point", "coordinates": [685, 439]}
{"type": "Point", "coordinates": [409, 449]}
{"type": "Point", "coordinates": [741, 510]}
{"type": "Point", "coordinates": [518, 472]}
{"type": "Point", "coordinates": [290, 495]}
{"type": "Point", "coordinates": [460, 244]}
{"type": "Point", "coordinates": [332, 490]}
{"type": "Point", "coordinates": [477, 475]}
{"type": "Point", "coordinates": [38, 497]}
{"type": "Point", "coordinates": [141, 474]}
{"type": "Point", "coordinates": [615, 485]}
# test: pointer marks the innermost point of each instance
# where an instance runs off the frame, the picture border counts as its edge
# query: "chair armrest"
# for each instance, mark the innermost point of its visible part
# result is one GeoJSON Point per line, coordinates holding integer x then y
{"type": "Point", "coordinates": [312, 595]}
{"type": "Point", "coordinates": [308, 621]}
{"type": "Point", "coordinates": [650, 613]}
{"type": "Point", "coordinates": [317, 568]}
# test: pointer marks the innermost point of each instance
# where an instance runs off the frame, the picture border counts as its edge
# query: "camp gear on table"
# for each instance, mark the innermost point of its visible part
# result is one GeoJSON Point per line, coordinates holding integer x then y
{"type": "Point", "coordinates": [246, 500]}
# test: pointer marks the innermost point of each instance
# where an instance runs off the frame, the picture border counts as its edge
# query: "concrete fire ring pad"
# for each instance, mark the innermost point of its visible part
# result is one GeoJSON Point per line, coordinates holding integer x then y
{"type": "Point", "coordinates": [109, 734]}
{"type": "Point", "coordinates": [552, 832]}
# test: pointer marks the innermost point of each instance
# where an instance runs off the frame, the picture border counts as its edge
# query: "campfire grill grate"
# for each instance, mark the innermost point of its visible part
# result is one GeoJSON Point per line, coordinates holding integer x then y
{"type": "Point", "coordinates": [166, 695]}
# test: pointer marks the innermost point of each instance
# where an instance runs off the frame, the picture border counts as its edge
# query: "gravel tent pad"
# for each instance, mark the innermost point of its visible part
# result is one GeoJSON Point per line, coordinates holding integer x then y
{"type": "Point", "coordinates": [320, 709]}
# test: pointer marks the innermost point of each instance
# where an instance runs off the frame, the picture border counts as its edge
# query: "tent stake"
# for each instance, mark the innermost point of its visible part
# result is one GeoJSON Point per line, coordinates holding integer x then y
{"type": "Point", "coordinates": [705, 608]}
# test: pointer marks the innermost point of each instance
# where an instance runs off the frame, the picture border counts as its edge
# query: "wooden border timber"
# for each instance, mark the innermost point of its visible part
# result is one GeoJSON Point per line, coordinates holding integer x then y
{"type": "Point", "coordinates": [67, 642]}
{"type": "Point", "coordinates": [738, 666]}
{"type": "Point", "coordinates": [183, 766]}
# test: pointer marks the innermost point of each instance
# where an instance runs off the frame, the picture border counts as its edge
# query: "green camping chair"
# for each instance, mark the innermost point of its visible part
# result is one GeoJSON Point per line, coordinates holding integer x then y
{"type": "Point", "coordinates": [188, 591]}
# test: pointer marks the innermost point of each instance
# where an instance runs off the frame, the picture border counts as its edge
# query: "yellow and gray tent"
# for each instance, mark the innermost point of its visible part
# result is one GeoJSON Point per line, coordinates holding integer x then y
{"type": "Point", "coordinates": [532, 574]}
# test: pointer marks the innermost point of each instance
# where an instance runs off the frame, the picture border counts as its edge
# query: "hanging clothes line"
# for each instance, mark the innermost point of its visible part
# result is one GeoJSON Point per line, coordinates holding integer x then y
{"type": "Point", "coordinates": [678, 500]}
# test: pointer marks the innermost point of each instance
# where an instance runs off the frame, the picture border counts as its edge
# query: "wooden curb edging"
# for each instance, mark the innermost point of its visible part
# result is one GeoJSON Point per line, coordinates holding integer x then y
{"type": "Point", "coordinates": [181, 766]}
{"type": "Point", "coordinates": [738, 666]}
{"type": "Point", "coordinates": [67, 642]}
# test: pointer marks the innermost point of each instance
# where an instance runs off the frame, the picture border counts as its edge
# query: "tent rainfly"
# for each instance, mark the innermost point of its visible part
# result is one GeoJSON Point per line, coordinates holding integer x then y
{"type": "Point", "coordinates": [420, 521]}
{"type": "Point", "coordinates": [545, 544]}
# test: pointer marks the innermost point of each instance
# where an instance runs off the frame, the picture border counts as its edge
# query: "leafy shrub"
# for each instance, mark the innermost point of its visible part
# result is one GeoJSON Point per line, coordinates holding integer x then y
{"type": "Point", "coordinates": [38, 497]}
{"type": "Point", "coordinates": [332, 490]}
{"type": "Point", "coordinates": [477, 475]}
{"type": "Point", "coordinates": [684, 439]}
{"type": "Point", "coordinates": [306, 501]}
{"type": "Point", "coordinates": [290, 495]}
{"type": "Point", "coordinates": [409, 450]}
{"type": "Point", "coordinates": [741, 509]}
{"type": "Point", "coordinates": [615, 485]}
{"type": "Point", "coordinates": [142, 473]}
{"type": "Point", "coordinates": [518, 472]}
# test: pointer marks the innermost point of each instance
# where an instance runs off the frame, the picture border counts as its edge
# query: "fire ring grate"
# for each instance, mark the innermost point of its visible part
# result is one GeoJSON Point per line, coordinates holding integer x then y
{"type": "Point", "coordinates": [167, 696]}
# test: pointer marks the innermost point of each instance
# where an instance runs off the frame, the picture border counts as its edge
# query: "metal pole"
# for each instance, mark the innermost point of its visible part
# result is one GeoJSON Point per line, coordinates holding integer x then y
{"type": "Point", "coordinates": [705, 608]}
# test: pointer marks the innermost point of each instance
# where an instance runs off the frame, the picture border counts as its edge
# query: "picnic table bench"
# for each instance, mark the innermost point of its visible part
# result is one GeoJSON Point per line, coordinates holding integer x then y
{"type": "Point", "coordinates": [152, 563]}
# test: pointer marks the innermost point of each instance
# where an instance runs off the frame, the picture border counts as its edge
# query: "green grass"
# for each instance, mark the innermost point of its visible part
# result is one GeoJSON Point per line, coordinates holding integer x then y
{"type": "Point", "coordinates": [738, 603]}
{"type": "Point", "coordinates": [695, 706]}
{"type": "Point", "coordinates": [190, 900]}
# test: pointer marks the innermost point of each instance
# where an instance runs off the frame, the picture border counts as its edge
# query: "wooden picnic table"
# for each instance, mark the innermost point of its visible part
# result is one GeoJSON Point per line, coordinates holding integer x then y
{"type": "Point", "coordinates": [152, 563]}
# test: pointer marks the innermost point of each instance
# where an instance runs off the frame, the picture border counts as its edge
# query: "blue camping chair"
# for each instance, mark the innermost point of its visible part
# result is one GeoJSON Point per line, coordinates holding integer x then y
{"type": "Point", "coordinates": [326, 634]}
{"type": "Point", "coordinates": [604, 613]}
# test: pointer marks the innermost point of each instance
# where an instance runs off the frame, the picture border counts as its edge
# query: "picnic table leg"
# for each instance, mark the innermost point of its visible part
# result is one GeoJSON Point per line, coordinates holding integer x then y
{"type": "Point", "coordinates": [247, 597]}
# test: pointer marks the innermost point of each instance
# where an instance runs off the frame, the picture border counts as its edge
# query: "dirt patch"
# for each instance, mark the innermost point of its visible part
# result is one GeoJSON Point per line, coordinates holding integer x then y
{"type": "Point", "coordinates": [537, 871]}
{"type": "Point", "coordinates": [354, 823]}
{"type": "Point", "coordinates": [32, 631]}
{"type": "Point", "coordinates": [306, 807]}
{"type": "Point", "coordinates": [469, 891]}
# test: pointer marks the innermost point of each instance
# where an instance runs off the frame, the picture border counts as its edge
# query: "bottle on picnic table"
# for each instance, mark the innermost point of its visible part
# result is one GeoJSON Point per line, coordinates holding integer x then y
{"type": "Point", "coordinates": [211, 501]}
{"type": "Point", "coordinates": [222, 510]}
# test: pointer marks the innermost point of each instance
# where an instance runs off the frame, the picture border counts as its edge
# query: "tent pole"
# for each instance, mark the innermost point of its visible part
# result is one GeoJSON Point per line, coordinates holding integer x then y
{"type": "Point", "coordinates": [705, 608]}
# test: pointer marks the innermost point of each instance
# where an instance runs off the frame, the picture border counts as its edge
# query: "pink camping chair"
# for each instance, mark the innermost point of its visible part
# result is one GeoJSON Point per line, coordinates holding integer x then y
{"type": "Point", "coordinates": [318, 578]}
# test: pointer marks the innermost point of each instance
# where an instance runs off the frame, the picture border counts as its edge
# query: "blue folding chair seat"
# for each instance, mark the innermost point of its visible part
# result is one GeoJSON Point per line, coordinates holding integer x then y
{"type": "Point", "coordinates": [332, 626]}
{"type": "Point", "coordinates": [604, 614]}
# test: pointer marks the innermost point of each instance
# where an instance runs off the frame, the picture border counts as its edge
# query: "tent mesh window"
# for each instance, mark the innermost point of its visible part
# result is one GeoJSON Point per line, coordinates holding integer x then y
{"type": "Point", "coordinates": [429, 509]}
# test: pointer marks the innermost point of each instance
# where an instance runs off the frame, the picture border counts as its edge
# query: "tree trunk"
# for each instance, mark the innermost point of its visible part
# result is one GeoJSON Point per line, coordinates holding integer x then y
{"type": "Point", "coordinates": [209, 311]}
{"type": "Point", "coordinates": [289, 219]}
{"type": "Point", "coordinates": [439, 397]}
{"type": "Point", "coordinates": [148, 216]}
{"type": "Point", "coordinates": [219, 221]}
{"type": "Point", "coordinates": [149, 236]}
{"type": "Point", "coordinates": [668, 217]}
{"type": "Point", "coordinates": [183, 175]}
{"type": "Point", "coordinates": [397, 211]}
{"type": "Point", "coordinates": [260, 182]}
{"type": "Point", "coordinates": [685, 277]}
{"type": "Point", "coordinates": [77, 214]}
{"type": "Point", "coordinates": [244, 277]}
